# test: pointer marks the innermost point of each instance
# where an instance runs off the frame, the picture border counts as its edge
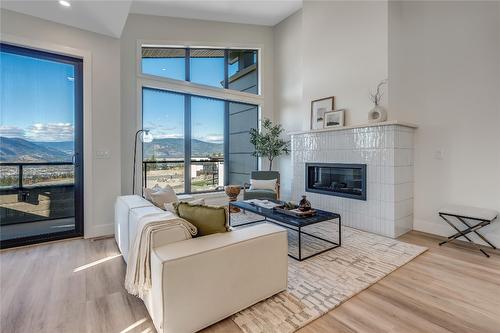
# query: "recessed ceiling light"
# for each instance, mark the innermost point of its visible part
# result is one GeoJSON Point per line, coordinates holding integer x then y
{"type": "Point", "coordinates": [64, 3]}
{"type": "Point", "coordinates": [163, 69]}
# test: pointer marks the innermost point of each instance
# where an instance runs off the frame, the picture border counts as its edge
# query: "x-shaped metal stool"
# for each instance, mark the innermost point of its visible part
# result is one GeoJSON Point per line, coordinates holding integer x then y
{"type": "Point", "coordinates": [470, 228]}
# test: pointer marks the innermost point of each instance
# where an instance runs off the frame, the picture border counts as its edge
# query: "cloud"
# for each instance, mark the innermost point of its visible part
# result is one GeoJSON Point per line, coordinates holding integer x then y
{"type": "Point", "coordinates": [214, 138]}
{"type": "Point", "coordinates": [50, 132]}
{"type": "Point", "coordinates": [156, 127]}
{"type": "Point", "coordinates": [164, 131]}
{"type": "Point", "coordinates": [167, 136]}
{"type": "Point", "coordinates": [12, 132]}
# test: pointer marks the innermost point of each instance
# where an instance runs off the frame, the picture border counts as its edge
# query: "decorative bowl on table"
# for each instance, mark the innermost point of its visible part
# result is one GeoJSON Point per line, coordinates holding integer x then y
{"type": "Point", "coordinates": [232, 191]}
{"type": "Point", "coordinates": [292, 209]}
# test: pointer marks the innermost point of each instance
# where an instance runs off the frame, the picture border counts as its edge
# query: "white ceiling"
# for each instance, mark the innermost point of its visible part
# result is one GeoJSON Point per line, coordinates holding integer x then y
{"type": "Point", "coordinates": [261, 12]}
{"type": "Point", "coordinates": [104, 17]}
{"type": "Point", "coordinates": [109, 17]}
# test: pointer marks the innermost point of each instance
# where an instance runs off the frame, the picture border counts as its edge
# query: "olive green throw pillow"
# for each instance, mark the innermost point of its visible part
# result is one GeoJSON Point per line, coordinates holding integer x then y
{"type": "Point", "coordinates": [207, 219]}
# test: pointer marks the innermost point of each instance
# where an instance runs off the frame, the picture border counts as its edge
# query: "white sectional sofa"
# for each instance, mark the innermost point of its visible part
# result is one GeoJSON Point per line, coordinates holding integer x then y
{"type": "Point", "coordinates": [199, 281]}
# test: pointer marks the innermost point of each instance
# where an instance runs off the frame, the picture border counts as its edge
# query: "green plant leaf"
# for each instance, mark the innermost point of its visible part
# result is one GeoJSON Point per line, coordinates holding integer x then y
{"type": "Point", "coordinates": [268, 142]}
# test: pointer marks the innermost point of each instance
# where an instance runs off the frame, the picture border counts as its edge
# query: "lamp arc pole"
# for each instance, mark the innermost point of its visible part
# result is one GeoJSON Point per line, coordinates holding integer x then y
{"type": "Point", "coordinates": [146, 137]}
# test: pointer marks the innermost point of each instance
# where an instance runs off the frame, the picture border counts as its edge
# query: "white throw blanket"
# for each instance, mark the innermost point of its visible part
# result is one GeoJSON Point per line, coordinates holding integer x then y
{"type": "Point", "coordinates": [138, 277]}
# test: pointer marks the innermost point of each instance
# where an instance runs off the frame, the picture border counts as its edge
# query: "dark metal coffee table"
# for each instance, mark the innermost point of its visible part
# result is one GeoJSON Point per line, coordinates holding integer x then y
{"type": "Point", "coordinates": [292, 223]}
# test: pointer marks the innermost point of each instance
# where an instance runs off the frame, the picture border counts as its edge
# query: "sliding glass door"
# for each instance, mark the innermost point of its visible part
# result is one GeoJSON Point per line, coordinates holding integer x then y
{"type": "Point", "coordinates": [41, 165]}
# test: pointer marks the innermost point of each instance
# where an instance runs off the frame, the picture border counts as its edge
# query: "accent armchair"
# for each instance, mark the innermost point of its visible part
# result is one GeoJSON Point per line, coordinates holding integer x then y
{"type": "Point", "coordinates": [261, 193]}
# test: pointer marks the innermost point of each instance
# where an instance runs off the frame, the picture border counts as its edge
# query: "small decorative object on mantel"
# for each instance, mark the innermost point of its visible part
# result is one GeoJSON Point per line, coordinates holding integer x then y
{"type": "Point", "coordinates": [318, 109]}
{"type": "Point", "coordinates": [334, 118]}
{"type": "Point", "coordinates": [378, 113]}
{"type": "Point", "coordinates": [304, 204]}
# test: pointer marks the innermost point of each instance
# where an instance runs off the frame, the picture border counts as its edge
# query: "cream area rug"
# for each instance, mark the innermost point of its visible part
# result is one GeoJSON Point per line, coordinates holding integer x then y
{"type": "Point", "coordinates": [321, 283]}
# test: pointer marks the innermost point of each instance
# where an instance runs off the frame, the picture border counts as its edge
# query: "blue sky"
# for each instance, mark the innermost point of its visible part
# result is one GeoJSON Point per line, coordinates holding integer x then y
{"type": "Point", "coordinates": [164, 111]}
{"type": "Point", "coordinates": [37, 98]}
{"type": "Point", "coordinates": [164, 116]}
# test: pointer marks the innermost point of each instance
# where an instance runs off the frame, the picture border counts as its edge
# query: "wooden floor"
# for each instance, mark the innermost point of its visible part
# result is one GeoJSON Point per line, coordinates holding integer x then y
{"type": "Point", "coordinates": [77, 286]}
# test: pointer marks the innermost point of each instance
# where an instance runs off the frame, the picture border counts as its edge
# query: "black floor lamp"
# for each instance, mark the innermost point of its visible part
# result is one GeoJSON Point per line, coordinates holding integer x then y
{"type": "Point", "coordinates": [147, 137]}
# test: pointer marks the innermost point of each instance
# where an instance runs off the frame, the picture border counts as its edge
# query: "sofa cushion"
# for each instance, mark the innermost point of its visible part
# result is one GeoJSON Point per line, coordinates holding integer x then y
{"type": "Point", "coordinates": [162, 196]}
{"type": "Point", "coordinates": [207, 219]}
{"type": "Point", "coordinates": [171, 206]}
{"type": "Point", "coordinates": [147, 191]}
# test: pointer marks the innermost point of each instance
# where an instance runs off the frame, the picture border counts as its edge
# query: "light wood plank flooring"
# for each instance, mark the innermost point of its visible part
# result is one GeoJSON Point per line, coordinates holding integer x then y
{"type": "Point", "coordinates": [77, 286]}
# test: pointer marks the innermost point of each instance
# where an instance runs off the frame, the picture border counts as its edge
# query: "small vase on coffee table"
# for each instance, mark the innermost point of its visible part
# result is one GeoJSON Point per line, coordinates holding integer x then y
{"type": "Point", "coordinates": [232, 191]}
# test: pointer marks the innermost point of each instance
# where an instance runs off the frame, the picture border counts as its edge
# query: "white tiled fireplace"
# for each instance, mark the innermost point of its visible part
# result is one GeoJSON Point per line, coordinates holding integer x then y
{"type": "Point", "coordinates": [387, 150]}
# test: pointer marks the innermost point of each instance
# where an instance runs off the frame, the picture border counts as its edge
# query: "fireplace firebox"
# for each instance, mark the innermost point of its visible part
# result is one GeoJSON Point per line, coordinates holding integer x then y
{"type": "Point", "coordinates": [337, 179]}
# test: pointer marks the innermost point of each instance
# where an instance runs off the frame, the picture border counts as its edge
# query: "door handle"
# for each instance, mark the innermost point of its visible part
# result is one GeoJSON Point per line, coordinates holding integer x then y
{"type": "Point", "coordinates": [74, 160]}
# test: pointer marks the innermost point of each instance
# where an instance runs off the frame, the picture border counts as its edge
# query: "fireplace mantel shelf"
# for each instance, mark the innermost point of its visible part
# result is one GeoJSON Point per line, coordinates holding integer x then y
{"type": "Point", "coordinates": [385, 123]}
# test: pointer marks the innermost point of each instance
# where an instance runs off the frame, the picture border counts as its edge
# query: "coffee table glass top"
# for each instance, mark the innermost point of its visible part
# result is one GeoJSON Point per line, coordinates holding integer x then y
{"type": "Point", "coordinates": [320, 216]}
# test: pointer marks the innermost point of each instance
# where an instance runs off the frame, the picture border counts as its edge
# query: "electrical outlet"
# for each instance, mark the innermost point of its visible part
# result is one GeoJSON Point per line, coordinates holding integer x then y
{"type": "Point", "coordinates": [102, 154]}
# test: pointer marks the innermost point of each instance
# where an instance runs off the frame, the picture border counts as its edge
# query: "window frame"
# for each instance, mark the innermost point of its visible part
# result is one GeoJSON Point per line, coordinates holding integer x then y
{"type": "Point", "coordinates": [209, 91]}
{"type": "Point", "coordinates": [188, 138]}
{"type": "Point", "coordinates": [196, 89]}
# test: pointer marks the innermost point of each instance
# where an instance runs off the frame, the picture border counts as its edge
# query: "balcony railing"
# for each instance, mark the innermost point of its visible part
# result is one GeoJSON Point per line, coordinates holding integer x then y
{"type": "Point", "coordinates": [206, 174]}
{"type": "Point", "coordinates": [37, 176]}
{"type": "Point", "coordinates": [33, 191]}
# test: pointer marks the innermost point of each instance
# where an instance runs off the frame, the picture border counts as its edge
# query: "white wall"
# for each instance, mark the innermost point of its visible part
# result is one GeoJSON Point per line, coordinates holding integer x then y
{"type": "Point", "coordinates": [443, 63]}
{"type": "Point", "coordinates": [105, 108]}
{"type": "Point", "coordinates": [344, 55]}
{"type": "Point", "coordinates": [194, 32]}
{"type": "Point", "coordinates": [288, 87]}
{"type": "Point", "coordinates": [336, 48]}
{"type": "Point", "coordinates": [444, 71]}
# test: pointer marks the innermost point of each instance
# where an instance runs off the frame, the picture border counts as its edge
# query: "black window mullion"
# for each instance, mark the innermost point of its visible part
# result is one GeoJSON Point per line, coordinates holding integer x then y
{"type": "Point", "coordinates": [226, 68]}
{"type": "Point", "coordinates": [187, 127]}
{"type": "Point", "coordinates": [188, 64]}
{"type": "Point", "coordinates": [226, 119]}
{"type": "Point", "coordinates": [226, 143]}
{"type": "Point", "coordinates": [187, 143]}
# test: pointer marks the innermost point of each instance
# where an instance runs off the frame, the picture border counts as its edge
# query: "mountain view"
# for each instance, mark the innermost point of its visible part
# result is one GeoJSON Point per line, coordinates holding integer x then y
{"type": "Point", "coordinates": [21, 150]}
{"type": "Point", "coordinates": [174, 148]}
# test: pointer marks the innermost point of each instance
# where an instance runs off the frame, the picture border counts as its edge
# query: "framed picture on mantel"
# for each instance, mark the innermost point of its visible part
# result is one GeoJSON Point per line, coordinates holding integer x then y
{"type": "Point", "coordinates": [318, 109]}
{"type": "Point", "coordinates": [334, 118]}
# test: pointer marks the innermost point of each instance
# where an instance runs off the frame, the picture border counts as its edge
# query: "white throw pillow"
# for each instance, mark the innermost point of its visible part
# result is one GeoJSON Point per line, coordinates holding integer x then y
{"type": "Point", "coordinates": [169, 206]}
{"type": "Point", "coordinates": [163, 196]}
{"type": "Point", "coordinates": [260, 184]}
{"type": "Point", "coordinates": [147, 191]}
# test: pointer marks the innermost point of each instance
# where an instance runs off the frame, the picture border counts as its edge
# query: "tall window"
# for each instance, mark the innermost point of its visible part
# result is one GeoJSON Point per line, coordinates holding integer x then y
{"type": "Point", "coordinates": [222, 68]}
{"type": "Point", "coordinates": [200, 143]}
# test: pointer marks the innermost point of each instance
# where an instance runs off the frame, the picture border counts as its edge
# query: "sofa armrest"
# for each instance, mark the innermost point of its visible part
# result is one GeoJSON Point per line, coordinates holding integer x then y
{"type": "Point", "coordinates": [209, 278]}
{"type": "Point", "coordinates": [123, 206]}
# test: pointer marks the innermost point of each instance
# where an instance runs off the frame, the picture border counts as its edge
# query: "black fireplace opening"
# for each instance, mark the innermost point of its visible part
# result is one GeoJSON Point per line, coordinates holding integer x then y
{"type": "Point", "coordinates": [337, 179]}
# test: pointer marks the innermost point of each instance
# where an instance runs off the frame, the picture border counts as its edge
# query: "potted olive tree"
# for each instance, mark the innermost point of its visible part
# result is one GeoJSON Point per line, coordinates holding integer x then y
{"type": "Point", "coordinates": [268, 142]}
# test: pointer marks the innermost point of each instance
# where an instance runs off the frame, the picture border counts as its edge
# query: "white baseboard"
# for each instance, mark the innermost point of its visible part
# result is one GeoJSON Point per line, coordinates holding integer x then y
{"type": "Point", "coordinates": [100, 230]}
{"type": "Point", "coordinates": [442, 229]}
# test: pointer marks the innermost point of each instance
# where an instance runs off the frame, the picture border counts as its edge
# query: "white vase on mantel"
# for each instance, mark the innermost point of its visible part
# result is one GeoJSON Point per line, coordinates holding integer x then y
{"type": "Point", "coordinates": [377, 114]}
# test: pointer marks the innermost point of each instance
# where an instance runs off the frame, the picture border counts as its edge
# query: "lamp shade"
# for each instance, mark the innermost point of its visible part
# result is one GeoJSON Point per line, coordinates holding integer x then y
{"type": "Point", "coordinates": [146, 136]}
